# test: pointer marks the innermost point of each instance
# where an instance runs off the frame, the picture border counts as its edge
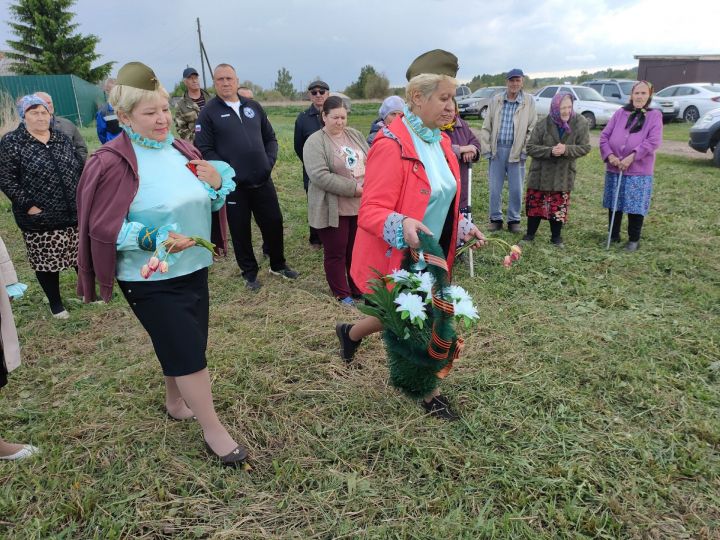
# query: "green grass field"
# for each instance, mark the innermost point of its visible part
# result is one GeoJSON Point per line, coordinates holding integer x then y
{"type": "Point", "coordinates": [589, 395]}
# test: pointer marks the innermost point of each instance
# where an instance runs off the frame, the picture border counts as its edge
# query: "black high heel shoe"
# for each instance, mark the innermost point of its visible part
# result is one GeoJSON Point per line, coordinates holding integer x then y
{"type": "Point", "coordinates": [233, 459]}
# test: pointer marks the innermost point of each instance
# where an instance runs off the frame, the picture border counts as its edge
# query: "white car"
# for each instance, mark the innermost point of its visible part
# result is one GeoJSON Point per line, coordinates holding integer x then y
{"type": "Point", "coordinates": [595, 108]}
{"type": "Point", "coordinates": [693, 100]}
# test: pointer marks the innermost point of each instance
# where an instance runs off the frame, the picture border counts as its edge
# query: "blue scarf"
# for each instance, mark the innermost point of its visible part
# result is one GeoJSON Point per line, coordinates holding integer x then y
{"type": "Point", "coordinates": [421, 130]}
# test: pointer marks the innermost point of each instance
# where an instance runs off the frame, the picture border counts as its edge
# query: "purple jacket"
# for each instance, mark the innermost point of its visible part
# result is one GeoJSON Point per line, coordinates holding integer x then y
{"type": "Point", "coordinates": [462, 135]}
{"type": "Point", "coordinates": [615, 139]}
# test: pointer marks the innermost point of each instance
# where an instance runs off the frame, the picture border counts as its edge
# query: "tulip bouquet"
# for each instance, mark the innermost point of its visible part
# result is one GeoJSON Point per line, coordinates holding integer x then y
{"type": "Point", "coordinates": [513, 252]}
{"type": "Point", "coordinates": [420, 311]}
{"type": "Point", "coordinates": [159, 262]}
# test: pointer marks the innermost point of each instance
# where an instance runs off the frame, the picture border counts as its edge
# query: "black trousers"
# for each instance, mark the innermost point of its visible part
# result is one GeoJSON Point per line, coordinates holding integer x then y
{"type": "Point", "coordinates": [635, 223]}
{"type": "Point", "coordinates": [262, 204]}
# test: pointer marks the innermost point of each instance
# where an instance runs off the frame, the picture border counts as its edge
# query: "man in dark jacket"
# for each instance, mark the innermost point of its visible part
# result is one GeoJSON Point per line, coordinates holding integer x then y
{"type": "Point", "coordinates": [235, 129]}
{"type": "Point", "coordinates": [307, 123]}
{"type": "Point", "coordinates": [65, 126]}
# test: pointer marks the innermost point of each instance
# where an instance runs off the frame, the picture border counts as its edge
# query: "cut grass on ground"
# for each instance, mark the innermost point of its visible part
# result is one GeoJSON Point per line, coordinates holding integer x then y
{"type": "Point", "coordinates": [589, 395]}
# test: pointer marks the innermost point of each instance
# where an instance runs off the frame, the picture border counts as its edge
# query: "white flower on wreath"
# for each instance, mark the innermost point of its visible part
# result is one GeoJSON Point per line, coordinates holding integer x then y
{"type": "Point", "coordinates": [426, 281]}
{"type": "Point", "coordinates": [457, 293]}
{"type": "Point", "coordinates": [399, 276]}
{"type": "Point", "coordinates": [411, 305]}
{"type": "Point", "coordinates": [465, 308]}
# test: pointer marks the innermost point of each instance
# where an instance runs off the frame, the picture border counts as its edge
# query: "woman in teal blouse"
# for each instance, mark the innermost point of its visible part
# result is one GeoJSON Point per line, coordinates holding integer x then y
{"type": "Point", "coordinates": [153, 194]}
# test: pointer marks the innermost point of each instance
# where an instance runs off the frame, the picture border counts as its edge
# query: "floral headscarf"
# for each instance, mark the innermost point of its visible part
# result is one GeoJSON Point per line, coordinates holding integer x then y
{"type": "Point", "coordinates": [555, 110]}
{"type": "Point", "coordinates": [25, 102]}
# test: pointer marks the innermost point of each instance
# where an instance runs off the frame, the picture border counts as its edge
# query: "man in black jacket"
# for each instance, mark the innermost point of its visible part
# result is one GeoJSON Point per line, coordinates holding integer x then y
{"type": "Point", "coordinates": [307, 123]}
{"type": "Point", "coordinates": [235, 129]}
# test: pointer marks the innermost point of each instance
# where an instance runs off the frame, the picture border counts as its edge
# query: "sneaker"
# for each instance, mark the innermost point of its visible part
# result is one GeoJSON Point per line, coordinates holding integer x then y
{"type": "Point", "coordinates": [439, 407]}
{"type": "Point", "coordinates": [347, 301]}
{"type": "Point", "coordinates": [494, 226]}
{"type": "Point", "coordinates": [253, 284]}
{"type": "Point", "coordinates": [347, 345]}
{"type": "Point", "coordinates": [514, 227]}
{"type": "Point", "coordinates": [286, 272]}
{"type": "Point", "coordinates": [26, 451]}
{"type": "Point", "coordinates": [62, 314]}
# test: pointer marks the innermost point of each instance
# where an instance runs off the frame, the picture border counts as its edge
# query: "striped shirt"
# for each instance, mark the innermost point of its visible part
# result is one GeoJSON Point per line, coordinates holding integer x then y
{"type": "Point", "coordinates": [506, 134]}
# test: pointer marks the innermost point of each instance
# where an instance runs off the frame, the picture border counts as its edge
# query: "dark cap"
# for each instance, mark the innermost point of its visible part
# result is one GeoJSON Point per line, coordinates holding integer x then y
{"type": "Point", "coordinates": [137, 75]}
{"type": "Point", "coordinates": [517, 72]}
{"type": "Point", "coordinates": [438, 62]}
{"type": "Point", "coordinates": [318, 84]}
{"type": "Point", "coordinates": [189, 71]}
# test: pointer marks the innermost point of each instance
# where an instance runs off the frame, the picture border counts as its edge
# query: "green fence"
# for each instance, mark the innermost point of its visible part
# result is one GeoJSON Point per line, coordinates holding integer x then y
{"type": "Point", "coordinates": [73, 97]}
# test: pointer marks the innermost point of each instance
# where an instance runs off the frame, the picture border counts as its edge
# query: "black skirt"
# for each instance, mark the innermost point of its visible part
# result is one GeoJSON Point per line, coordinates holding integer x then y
{"type": "Point", "coordinates": [174, 312]}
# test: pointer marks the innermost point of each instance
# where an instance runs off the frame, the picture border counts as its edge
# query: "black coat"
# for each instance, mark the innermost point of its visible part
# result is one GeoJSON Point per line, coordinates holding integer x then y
{"type": "Point", "coordinates": [247, 142]}
{"type": "Point", "coordinates": [43, 175]}
{"type": "Point", "coordinates": [306, 123]}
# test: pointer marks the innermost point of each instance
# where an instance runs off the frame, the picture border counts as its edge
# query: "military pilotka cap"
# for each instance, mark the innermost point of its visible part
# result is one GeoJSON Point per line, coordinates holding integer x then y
{"type": "Point", "coordinates": [438, 62]}
{"type": "Point", "coordinates": [318, 84]}
{"type": "Point", "coordinates": [137, 75]}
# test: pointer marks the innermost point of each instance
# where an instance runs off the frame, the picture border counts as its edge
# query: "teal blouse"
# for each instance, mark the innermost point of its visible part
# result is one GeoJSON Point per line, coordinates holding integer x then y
{"type": "Point", "coordinates": [171, 198]}
{"type": "Point", "coordinates": [443, 185]}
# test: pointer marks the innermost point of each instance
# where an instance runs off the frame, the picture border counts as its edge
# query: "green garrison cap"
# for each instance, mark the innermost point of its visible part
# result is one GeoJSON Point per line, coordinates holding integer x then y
{"type": "Point", "coordinates": [137, 75]}
{"type": "Point", "coordinates": [438, 62]}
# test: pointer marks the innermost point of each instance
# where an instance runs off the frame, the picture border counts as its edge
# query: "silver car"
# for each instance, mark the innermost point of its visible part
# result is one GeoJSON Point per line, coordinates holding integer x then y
{"type": "Point", "coordinates": [595, 108]}
{"type": "Point", "coordinates": [693, 100]}
{"type": "Point", "coordinates": [476, 104]}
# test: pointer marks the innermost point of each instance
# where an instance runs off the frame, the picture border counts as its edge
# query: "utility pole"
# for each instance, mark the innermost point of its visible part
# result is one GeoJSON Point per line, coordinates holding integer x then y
{"type": "Point", "coordinates": [203, 55]}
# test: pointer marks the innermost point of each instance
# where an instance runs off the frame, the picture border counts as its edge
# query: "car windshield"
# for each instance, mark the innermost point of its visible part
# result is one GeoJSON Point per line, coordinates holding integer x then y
{"type": "Point", "coordinates": [482, 93]}
{"type": "Point", "coordinates": [714, 88]}
{"type": "Point", "coordinates": [626, 87]}
{"type": "Point", "coordinates": [587, 94]}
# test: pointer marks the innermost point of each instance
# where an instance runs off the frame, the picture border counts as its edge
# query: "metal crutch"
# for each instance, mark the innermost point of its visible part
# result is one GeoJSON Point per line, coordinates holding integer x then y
{"type": "Point", "coordinates": [615, 203]}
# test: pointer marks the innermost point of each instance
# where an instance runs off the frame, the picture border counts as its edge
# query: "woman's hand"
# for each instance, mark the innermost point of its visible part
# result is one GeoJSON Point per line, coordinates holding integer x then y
{"type": "Point", "coordinates": [558, 150]}
{"type": "Point", "coordinates": [613, 160]}
{"type": "Point", "coordinates": [34, 211]}
{"type": "Point", "coordinates": [475, 233]}
{"type": "Point", "coordinates": [468, 153]}
{"type": "Point", "coordinates": [358, 190]}
{"type": "Point", "coordinates": [178, 242]}
{"type": "Point", "coordinates": [624, 163]}
{"type": "Point", "coordinates": [410, 231]}
{"type": "Point", "coordinates": [207, 173]}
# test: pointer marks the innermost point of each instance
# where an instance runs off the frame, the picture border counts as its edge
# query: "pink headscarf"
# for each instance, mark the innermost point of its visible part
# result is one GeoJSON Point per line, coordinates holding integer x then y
{"type": "Point", "coordinates": [555, 110]}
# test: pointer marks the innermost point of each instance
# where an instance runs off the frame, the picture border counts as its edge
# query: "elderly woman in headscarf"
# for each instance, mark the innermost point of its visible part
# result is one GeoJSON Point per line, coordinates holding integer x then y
{"type": "Point", "coordinates": [466, 147]}
{"type": "Point", "coordinates": [412, 185]}
{"type": "Point", "coordinates": [390, 109]}
{"type": "Point", "coordinates": [146, 196]}
{"type": "Point", "coordinates": [628, 145]}
{"type": "Point", "coordinates": [39, 174]}
{"type": "Point", "coordinates": [554, 146]}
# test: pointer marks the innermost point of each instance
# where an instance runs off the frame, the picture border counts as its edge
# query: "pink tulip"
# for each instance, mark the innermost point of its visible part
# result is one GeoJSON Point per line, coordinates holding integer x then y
{"type": "Point", "coordinates": [153, 263]}
{"type": "Point", "coordinates": [507, 261]}
{"type": "Point", "coordinates": [514, 256]}
{"type": "Point", "coordinates": [164, 267]}
{"type": "Point", "coordinates": [145, 271]}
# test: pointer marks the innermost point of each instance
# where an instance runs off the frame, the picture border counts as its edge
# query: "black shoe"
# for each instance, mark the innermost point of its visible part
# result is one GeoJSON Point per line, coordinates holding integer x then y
{"type": "Point", "coordinates": [557, 242]}
{"type": "Point", "coordinates": [233, 459]}
{"type": "Point", "coordinates": [528, 238]}
{"type": "Point", "coordinates": [632, 246]}
{"type": "Point", "coordinates": [286, 272]}
{"type": "Point", "coordinates": [494, 226]}
{"type": "Point", "coordinates": [347, 345]}
{"type": "Point", "coordinates": [253, 284]}
{"type": "Point", "coordinates": [439, 407]}
{"type": "Point", "coordinates": [514, 227]}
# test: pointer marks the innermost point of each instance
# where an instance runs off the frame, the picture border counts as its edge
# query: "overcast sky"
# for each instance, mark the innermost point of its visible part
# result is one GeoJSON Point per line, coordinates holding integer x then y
{"type": "Point", "coordinates": [335, 39]}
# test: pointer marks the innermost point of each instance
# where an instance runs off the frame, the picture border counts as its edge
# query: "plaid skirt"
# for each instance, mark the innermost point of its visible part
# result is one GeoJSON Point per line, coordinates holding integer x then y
{"type": "Point", "coordinates": [550, 205]}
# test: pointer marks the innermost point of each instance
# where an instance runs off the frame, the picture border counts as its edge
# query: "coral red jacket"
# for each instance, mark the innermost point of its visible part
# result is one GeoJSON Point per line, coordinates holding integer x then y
{"type": "Point", "coordinates": [395, 183]}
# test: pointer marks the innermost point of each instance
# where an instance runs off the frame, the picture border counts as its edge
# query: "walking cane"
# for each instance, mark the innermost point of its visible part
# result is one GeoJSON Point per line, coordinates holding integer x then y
{"type": "Point", "coordinates": [615, 203]}
{"type": "Point", "coordinates": [469, 216]}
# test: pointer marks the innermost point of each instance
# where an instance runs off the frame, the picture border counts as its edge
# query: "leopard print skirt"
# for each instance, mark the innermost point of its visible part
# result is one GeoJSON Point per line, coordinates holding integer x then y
{"type": "Point", "coordinates": [52, 251]}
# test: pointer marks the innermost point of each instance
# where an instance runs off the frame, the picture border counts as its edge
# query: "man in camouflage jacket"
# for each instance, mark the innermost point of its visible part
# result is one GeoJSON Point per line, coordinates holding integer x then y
{"type": "Point", "coordinates": [188, 108]}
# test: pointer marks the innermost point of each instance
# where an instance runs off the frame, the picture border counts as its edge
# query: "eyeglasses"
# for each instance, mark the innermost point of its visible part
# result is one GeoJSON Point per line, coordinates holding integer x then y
{"type": "Point", "coordinates": [316, 92]}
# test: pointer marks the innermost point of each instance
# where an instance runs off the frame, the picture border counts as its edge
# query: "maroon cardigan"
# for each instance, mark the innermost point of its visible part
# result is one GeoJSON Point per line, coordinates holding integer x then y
{"type": "Point", "coordinates": [107, 187]}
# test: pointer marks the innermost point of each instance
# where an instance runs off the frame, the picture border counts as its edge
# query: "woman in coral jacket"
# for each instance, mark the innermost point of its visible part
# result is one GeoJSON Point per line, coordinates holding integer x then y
{"type": "Point", "coordinates": [412, 184]}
